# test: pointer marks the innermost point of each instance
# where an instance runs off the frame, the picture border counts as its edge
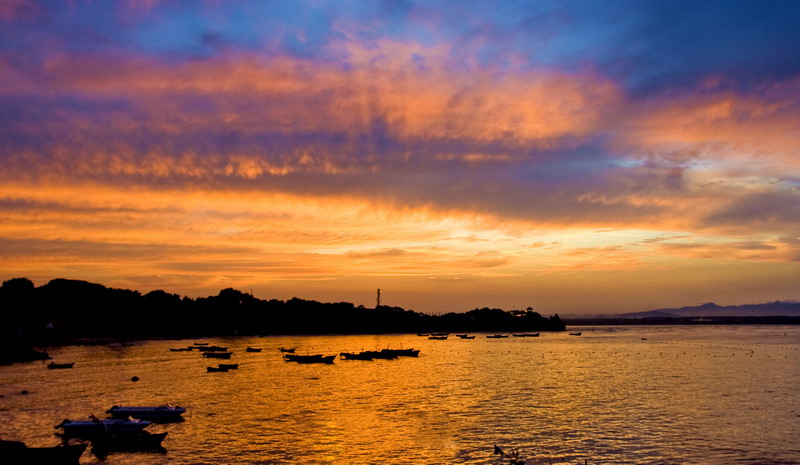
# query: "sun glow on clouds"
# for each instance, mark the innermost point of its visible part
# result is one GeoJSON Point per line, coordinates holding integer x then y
{"type": "Point", "coordinates": [388, 162]}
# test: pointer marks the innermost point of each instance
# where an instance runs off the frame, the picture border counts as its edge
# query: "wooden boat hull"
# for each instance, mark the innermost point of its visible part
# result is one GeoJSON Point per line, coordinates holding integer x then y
{"type": "Point", "coordinates": [309, 358]}
{"type": "Point", "coordinates": [212, 349]}
{"type": "Point", "coordinates": [13, 452]}
{"type": "Point", "coordinates": [352, 356]}
{"type": "Point", "coordinates": [60, 366]}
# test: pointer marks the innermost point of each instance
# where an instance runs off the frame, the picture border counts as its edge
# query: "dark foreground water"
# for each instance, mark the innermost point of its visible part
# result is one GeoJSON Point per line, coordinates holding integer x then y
{"type": "Point", "coordinates": [681, 395]}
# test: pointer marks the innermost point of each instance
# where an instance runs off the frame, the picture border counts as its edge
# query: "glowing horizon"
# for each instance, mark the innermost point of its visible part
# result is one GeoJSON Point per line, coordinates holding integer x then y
{"type": "Point", "coordinates": [525, 156]}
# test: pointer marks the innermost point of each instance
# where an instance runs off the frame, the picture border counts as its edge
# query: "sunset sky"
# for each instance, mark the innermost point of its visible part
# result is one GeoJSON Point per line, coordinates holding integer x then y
{"type": "Point", "coordinates": [573, 156]}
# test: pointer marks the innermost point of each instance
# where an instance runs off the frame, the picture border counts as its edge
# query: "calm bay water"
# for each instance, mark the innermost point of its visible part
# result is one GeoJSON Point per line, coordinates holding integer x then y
{"type": "Point", "coordinates": [683, 395]}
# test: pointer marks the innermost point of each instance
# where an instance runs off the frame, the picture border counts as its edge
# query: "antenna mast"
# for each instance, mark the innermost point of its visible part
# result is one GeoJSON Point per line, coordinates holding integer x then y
{"type": "Point", "coordinates": [378, 299]}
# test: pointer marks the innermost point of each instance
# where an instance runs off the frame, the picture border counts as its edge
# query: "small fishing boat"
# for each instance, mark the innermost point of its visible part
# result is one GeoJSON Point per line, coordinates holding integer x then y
{"type": "Point", "coordinates": [401, 352]}
{"type": "Point", "coordinates": [217, 369]}
{"type": "Point", "coordinates": [380, 354]}
{"type": "Point", "coordinates": [16, 452]}
{"type": "Point", "coordinates": [253, 349]}
{"type": "Point", "coordinates": [437, 338]}
{"type": "Point", "coordinates": [527, 335]}
{"type": "Point", "coordinates": [225, 355]}
{"type": "Point", "coordinates": [182, 349]}
{"type": "Point", "coordinates": [286, 351]}
{"type": "Point", "coordinates": [94, 426]}
{"type": "Point", "coordinates": [212, 349]}
{"type": "Point", "coordinates": [497, 336]}
{"type": "Point", "coordinates": [354, 356]}
{"type": "Point", "coordinates": [575, 334]}
{"type": "Point", "coordinates": [60, 366]}
{"type": "Point", "coordinates": [465, 336]}
{"type": "Point", "coordinates": [318, 358]}
{"type": "Point", "coordinates": [229, 366]}
{"type": "Point", "coordinates": [159, 414]}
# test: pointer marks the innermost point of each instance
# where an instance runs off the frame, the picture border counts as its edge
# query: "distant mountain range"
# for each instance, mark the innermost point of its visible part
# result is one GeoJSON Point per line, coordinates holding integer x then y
{"type": "Point", "coordinates": [711, 309]}
{"type": "Point", "coordinates": [745, 313]}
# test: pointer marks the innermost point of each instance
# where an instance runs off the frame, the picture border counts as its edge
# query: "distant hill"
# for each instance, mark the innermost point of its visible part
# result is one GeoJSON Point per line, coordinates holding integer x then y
{"type": "Point", "coordinates": [711, 309]}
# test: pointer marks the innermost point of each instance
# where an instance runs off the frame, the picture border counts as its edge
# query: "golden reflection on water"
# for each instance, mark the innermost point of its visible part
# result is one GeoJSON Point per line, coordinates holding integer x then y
{"type": "Point", "coordinates": [683, 395]}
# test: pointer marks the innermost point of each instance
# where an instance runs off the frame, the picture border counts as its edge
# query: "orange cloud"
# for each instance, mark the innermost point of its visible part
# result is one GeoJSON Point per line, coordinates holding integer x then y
{"type": "Point", "coordinates": [755, 134]}
{"type": "Point", "coordinates": [414, 90]}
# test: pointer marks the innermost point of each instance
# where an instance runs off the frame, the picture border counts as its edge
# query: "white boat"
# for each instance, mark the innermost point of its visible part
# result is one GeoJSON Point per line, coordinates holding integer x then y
{"type": "Point", "coordinates": [88, 428]}
{"type": "Point", "coordinates": [162, 413]}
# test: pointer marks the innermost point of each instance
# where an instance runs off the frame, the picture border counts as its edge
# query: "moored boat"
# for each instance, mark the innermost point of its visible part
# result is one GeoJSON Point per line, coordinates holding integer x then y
{"type": "Point", "coordinates": [217, 369]}
{"type": "Point", "coordinates": [93, 427]}
{"type": "Point", "coordinates": [253, 349]}
{"type": "Point", "coordinates": [401, 352]}
{"type": "Point", "coordinates": [437, 338]}
{"type": "Point", "coordinates": [225, 355]}
{"type": "Point", "coordinates": [385, 354]}
{"type": "Point", "coordinates": [354, 356]}
{"type": "Point", "coordinates": [212, 349]}
{"type": "Point", "coordinates": [160, 414]}
{"type": "Point", "coordinates": [497, 336]}
{"type": "Point", "coordinates": [15, 452]}
{"type": "Point", "coordinates": [317, 358]}
{"type": "Point", "coordinates": [465, 336]}
{"type": "Point", "coordinates": [60, 366]}
{"type": "Point", "coordinates": [575, 334]}
{"type": "Point", "coordinates": [286, 351]}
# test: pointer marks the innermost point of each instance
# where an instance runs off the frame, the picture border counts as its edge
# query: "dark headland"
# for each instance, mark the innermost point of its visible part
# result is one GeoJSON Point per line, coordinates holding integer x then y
{"type": "Point", "coordinates": [65, 311]}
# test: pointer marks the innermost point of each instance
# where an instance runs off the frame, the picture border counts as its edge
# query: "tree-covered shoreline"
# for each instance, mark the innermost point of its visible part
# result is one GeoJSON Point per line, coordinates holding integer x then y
{"type": "Point", "coordinates": [65, 310]}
